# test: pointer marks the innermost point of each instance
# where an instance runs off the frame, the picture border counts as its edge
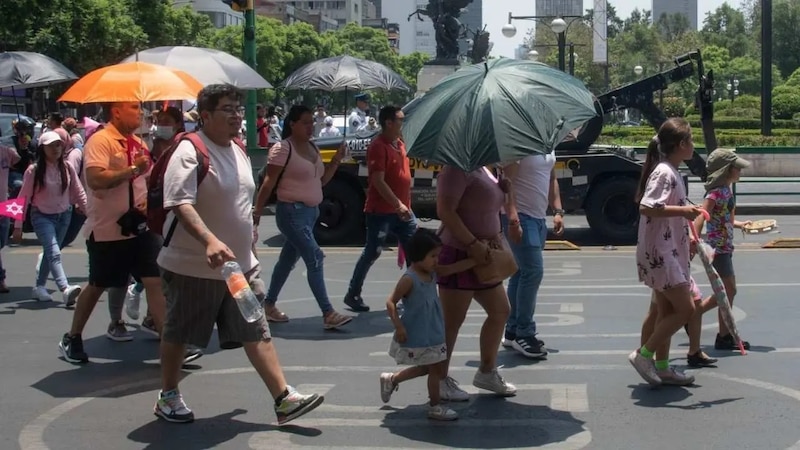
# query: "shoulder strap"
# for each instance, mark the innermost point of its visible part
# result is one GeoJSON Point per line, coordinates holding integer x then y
{"type": "Point", "coordinates": [203, 162]}
{"type": "Point", "coordinates": [288, 158]}
{"type": "Point", "coordinates": [240, 144]}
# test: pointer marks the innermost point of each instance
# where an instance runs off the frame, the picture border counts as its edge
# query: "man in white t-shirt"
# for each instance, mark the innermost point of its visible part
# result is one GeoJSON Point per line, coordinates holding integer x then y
{"type": "Point", "coordinates": [535, 188]}
{"type": "Point", "coordinates": [215, 225]}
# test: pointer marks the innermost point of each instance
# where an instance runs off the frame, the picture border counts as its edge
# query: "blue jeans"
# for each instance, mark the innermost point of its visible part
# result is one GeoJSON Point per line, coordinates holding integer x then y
{"type": "Point", "coordinates": [378, 228]}
{"type": "Point", "coordinates": [524, 285]}
{"type": "Point", "coordinates": [5, 224]}
{"type": "Point", "coordinates": [296, 222]}
{"type": "Point", "coordinates": [50, 230]}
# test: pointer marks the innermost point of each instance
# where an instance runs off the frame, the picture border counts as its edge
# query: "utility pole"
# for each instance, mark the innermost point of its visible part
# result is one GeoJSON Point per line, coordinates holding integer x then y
{"type": "Point", "coordinates": [249, 57]}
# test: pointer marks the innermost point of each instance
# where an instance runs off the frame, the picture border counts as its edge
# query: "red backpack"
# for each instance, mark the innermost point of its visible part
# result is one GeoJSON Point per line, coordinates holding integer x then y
{"type": "Point", "coordinates": [156, 214]}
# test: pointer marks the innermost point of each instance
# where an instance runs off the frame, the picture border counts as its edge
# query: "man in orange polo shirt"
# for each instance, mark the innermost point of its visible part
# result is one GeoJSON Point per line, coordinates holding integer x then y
{"type": "Point", "coordinates": [388, 205]}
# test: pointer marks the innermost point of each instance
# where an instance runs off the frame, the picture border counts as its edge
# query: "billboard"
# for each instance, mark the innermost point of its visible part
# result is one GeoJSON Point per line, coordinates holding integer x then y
{"type": "Point", "coordinates": [559, 8]}
{"type": "Point", "coordinates": [600, 35]}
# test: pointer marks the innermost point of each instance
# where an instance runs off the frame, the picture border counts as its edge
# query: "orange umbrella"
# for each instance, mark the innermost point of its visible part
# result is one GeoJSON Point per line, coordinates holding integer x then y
{"type": "Point", "coordinates": [132, 82]}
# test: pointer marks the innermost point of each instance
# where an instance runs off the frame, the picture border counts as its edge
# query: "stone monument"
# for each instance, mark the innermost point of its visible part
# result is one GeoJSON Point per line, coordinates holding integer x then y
{"type": "Point", "coordinates": [448, 30]}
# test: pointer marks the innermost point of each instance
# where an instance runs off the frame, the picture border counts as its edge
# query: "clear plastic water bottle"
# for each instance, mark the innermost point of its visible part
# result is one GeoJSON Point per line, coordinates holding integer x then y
{"type": "Point", "coordinates": [240, 290]}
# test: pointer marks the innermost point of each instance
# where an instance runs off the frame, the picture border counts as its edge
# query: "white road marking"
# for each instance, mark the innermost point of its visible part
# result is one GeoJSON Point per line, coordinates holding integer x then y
{"type": "Point", "coordinates": [562, 320]}
{"type": "Point", "coordinates": [570, 307]}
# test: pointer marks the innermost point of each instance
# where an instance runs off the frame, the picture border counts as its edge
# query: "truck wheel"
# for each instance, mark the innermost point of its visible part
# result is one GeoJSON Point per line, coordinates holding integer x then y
{"type": "Point", "coordinates": [611, 210]}
{"type": "Point", "coordinates": [341, 213]}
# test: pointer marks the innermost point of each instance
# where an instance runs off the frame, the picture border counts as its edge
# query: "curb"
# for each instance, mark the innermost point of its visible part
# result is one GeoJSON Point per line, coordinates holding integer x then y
{"type": "Point", "coordinates": [770, 209]}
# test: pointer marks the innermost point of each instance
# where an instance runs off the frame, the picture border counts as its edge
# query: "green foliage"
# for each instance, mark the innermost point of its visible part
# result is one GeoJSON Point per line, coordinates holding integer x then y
{"type": "Point", "coordinates": [786, 103]}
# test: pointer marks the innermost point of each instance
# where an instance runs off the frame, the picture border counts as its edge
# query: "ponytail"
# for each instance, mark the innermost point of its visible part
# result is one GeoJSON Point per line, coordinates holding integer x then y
{"type": "Point", "coordinates": [650, 163]}
{"type": "Point", "coordinates": [294, 115]}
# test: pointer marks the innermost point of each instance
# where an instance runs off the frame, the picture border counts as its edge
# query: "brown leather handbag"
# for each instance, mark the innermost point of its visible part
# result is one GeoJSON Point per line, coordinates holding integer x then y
{"type": "Point", "coordinates": [502, 264]}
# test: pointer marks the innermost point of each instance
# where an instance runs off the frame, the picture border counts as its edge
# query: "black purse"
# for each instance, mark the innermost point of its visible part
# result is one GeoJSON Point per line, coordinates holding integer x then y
{"type": "Point", "coordinates": [133, 222]}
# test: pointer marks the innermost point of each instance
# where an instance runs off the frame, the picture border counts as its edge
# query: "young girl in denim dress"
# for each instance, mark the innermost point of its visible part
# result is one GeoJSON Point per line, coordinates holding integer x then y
{"type": "Point", "coordinates": [419, 331]}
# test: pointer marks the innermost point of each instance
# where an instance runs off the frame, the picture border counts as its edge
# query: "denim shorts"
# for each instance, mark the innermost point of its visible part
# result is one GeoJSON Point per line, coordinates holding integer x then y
{"type": "Point", "coordinates": [723, 262]}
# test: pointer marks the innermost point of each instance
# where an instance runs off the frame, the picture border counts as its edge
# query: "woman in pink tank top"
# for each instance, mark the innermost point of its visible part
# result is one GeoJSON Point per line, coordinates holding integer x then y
{"type": "Point", "coordinates": [469, 205]}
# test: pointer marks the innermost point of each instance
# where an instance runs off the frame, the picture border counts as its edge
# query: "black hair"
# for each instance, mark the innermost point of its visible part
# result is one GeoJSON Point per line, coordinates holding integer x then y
{"type": "Point", "coordinates": [56, 117]}
{"type": "Point", "coordinates": [209, 97]}
{"type": "Point", "coordinates": [421, 243]}
{"type": "Point", "coordinates": [670, 136]}
{"type": "Point", "coordinates": [387, 113]}
{"type": "Point", "coordinates": [41, 166]}
{"type": "Point", "coordinates": [176, 115]}
{"type": "Point", "coordinates": [294, 115]}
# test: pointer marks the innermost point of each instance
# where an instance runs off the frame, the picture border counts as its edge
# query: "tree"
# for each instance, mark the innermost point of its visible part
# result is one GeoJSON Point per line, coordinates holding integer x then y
{"type": "Point", "coordinates": [726, 28]}
{"type": "Point", "coordinates": [613, 22]}
{"type": "Point", "coordinates": [166, 25]}
{"type": "Point", "coordinates": [786, 39]}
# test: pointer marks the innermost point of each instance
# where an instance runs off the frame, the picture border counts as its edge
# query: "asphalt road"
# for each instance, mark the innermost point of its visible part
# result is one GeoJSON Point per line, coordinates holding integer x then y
{"type": "Point", "coordinates": [585, 395]}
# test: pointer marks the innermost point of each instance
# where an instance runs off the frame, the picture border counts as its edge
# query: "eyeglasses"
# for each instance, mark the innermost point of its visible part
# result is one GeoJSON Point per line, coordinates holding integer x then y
{"type": "Point", "coordinates": [231, 110]}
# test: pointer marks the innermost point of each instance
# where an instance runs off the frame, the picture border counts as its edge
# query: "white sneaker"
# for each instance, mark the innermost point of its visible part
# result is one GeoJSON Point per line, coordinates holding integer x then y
{"type": "Point", "coordinates": [71, 294]}
{"type": "Point", "coordinates": [440, 412]}
{"type": "Point", "coordinates": [673, 376]}
{"type": "Point", "coordinates": [645, 367]}
{"type": "Point", "coordinates": [449, 391]}
{"type": "Point", "coordinates": [40, 294]}
{"type": "Point", "coordinates": [132, 301]}
{"type": "Point", "coordinates": [493, 382]}
{"type": "Point", "coordinates": [387, 386]}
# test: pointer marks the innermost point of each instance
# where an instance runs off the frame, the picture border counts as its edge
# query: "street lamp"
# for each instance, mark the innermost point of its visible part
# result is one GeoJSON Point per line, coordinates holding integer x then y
{"type": "Point", "coordinates": [638, 70]}
{"type": "Point", "coordinates": [733, 87]}
{"type": "Point", "coordinates": [533, 55]}
{"type": "Point", "coordinates": [558, 25]}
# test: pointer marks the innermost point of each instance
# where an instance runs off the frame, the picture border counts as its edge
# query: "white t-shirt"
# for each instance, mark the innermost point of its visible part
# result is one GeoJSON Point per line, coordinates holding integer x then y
{"type": "Point", "coordinates": [532, 184]}
{"type": "Point", "coordinates": [223, 200]}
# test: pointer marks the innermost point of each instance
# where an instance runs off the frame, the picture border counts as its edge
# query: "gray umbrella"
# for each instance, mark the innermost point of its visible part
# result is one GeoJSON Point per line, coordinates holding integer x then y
{"type": "Point", "coordinates": [208, 66]}
{"type": "Point", "coordinates": [31, 70]}
{"type": "Point", "coordinates": [345, 72]}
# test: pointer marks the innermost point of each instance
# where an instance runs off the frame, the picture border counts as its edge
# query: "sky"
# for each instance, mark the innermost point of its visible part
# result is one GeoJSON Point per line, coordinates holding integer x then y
{"type": "Point", "coordinates": [497, 16]}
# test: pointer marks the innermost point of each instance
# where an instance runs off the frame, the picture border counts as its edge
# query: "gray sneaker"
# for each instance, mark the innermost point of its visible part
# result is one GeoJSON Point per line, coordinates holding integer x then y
{"type": "Point", "coordinates": [118, 332]}
{"type": "Point", "coordinates": [493, 382]}
{"type": "Point", "coordinates": [645, 367]}
{"type": "Point", "coordinates": [675, 377]}
{"type": "Point", "coordinates": [450, 392]}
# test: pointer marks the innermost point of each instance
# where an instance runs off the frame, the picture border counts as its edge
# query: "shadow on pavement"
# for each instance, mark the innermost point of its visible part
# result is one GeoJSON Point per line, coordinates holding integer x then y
{"type": "Point", "coordinates": [204, 433]}
{"type": "Point", "coordinates": [310, 328]}
{"type": "Point", "coordinates": [525, 425]}
{"type": "Point", "coordinates": [663, 396]}
{"type": "Point", "coordinates": [106, 380]}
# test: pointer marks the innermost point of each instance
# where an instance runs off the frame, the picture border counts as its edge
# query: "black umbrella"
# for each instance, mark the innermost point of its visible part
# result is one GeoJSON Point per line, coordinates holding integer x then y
{"type": "Point", "coordinates": [31, 70]}
{"type": "Point", "coordinates": [345, 72]}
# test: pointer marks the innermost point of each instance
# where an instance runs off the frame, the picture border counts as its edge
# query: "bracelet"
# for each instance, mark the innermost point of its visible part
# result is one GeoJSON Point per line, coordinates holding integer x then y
{"type": "Point", "coordinates": [558, 212]}
{"type": "Point", "coordinates": [513, 222]}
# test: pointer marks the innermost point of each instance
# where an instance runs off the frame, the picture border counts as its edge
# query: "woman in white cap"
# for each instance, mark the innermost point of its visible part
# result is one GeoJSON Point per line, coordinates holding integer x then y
{"type": "Point", "coordinates": [50, 187]}
{"type": "Point", "coordinates": [329, 130]}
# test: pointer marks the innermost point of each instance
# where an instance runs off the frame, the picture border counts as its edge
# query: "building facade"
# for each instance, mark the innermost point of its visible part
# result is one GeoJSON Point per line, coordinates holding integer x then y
{"type": "Point", "coordinates": [669, 7]}
{"type": "Point", "coordinates": [221, 15]}
{"type": "Point", "coordinates": [342, 11]}
{"type": "Point", "coordinates": [289, 14]}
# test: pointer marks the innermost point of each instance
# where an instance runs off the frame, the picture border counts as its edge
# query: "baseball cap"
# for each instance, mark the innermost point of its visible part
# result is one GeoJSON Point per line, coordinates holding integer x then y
{"type": "Point", "coordinates": [718, 163]}
{"type": "Point", "coordinates": [363, 97]}
{"type": "Point", "coordinates": [49, 137]}
{"type": "Point", "coordinates": [328, 120]}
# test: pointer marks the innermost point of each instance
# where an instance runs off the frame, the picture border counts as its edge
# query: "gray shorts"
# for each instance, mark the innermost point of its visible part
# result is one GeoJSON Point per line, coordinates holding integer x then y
{"type": "Point", "coordinates": [723, 262]}
{"type": "Point", "coordinates": [194, 305]}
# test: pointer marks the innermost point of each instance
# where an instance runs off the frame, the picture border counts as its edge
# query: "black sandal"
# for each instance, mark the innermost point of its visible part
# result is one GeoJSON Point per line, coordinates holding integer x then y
{"type": "Point", "coordinates": [700, 360]}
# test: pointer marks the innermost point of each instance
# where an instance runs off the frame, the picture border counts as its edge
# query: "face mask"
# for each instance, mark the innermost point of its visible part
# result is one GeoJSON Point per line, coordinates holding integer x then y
{"type": "Point", "coordinates": [164, 132]}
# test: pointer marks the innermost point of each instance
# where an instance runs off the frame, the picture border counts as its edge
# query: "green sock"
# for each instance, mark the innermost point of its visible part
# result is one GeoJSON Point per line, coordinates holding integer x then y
{"type": "Point", "coordinates": [662, 365]}
{"type": "Point", "coordinates": [645, 352]}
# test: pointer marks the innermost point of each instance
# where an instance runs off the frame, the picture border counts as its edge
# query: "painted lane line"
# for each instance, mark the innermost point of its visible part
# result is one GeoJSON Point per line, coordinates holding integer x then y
{"type": "Point", "coordinates": [571, 308]}
{"type": "Point", "coordinates": [562, 320]}
{"type": "Point", "coordinates": [392, 368]}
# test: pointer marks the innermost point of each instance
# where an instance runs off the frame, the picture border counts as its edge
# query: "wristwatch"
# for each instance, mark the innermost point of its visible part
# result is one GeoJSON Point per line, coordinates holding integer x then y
{"type": "Point", "coordinates": [558, 212]}
{"type": "Point", "coordinates": [135, 170]}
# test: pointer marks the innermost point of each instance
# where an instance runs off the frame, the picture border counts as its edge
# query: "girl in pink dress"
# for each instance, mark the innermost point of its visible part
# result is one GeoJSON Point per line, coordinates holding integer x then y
{"type": "Point", "coordinates": [662, 251]}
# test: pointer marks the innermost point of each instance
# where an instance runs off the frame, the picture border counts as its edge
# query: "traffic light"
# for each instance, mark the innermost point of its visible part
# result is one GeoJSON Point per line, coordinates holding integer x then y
{"type": "Point", "coordinates": [239, 5]}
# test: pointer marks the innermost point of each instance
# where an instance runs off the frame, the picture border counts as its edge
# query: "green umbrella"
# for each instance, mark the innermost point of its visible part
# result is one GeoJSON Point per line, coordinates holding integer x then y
{"type": "Point", "coordinates": [498, 111]}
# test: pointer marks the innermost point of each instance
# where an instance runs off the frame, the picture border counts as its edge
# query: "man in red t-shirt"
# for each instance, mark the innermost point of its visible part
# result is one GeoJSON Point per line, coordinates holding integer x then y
{"type": "Point", "coordinates": [388, 205]}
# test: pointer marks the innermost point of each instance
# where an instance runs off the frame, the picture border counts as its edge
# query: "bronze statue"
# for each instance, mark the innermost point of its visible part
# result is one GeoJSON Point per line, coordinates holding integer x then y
{"type": "Point", "coordinates": [445, 14]}
{"type": "Point", "coordinates": [480, 45]}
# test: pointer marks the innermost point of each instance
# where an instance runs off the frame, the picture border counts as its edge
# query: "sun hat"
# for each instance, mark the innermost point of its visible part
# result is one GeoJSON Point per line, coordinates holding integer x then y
{"type": "Point", "coordinates": [717, 166]}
